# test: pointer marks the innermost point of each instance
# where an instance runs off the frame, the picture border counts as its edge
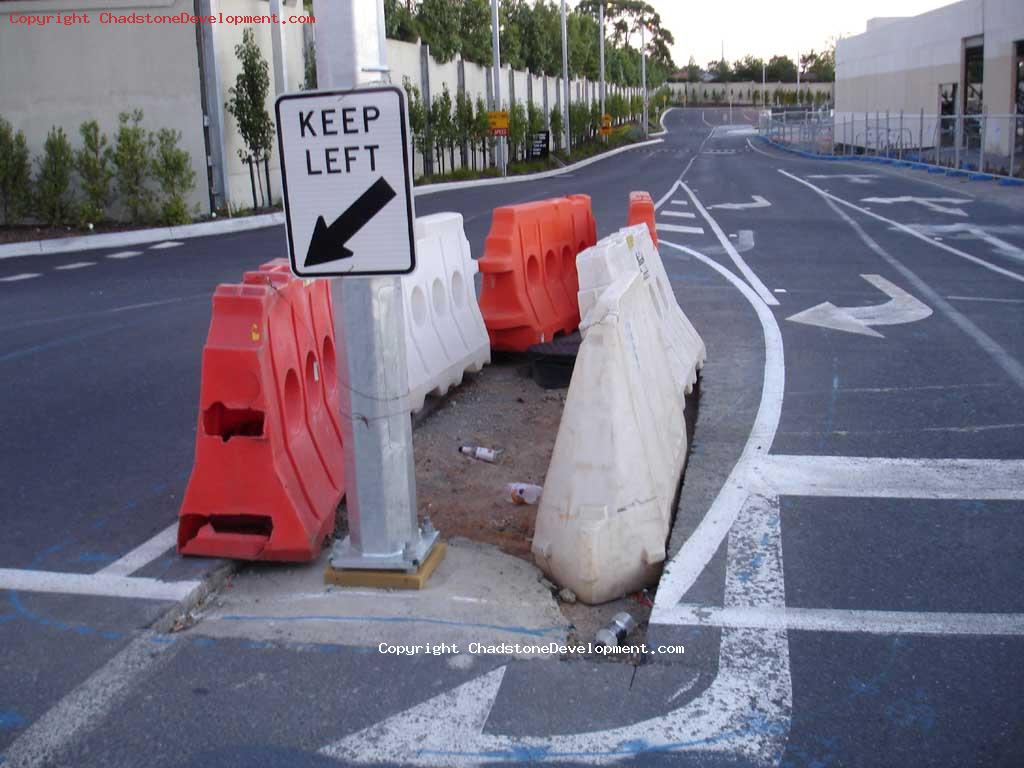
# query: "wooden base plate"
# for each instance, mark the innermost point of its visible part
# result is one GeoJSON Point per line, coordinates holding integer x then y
{"type": "Point", "coordinates": [356, 577]}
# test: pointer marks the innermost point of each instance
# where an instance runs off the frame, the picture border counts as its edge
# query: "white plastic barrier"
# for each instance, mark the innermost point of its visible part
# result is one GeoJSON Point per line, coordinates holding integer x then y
{"type": "Point", "coordinates": [444, 330]}
{"type": "Point", "coordinates": [606, 509]}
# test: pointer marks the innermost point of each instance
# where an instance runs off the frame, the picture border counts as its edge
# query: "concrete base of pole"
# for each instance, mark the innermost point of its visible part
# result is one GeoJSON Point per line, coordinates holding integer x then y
{"type": "Point", "coordinates": [385, 579]}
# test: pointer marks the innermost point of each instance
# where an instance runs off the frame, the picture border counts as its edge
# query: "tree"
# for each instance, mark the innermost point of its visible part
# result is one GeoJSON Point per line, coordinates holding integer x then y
{"type": "Point", "coordinates": [417, 119]}
{"type": "Point", "coordinates": [438, 23]}
{"type": "Point", "coordinates": [15, 174]}
{"type": "Point", "coordinates": [309, 68]}
{"type": "Point", "coordinates": [172, 168]}
{"type": "Point", "coordinates": [463, 124]}
{"type": "Point", "coordinates": [133, 148]}
{"type": "Point", "coordinates": [748, 68]}
{"type": "Point", "coordinates": [475, 30]}
{"type": "Point", "coordinates": [557, 127]}
{"type": "Point", "coordinates": [53, 179]}
{"type": "Point", "coordinates": [92, 162]}
{"type": "Point", "coordinates": [781, 69]}
{"type": "Point", "coordinates": [399, 22]}
{"type": "Point", "coordinates": [442, 127]}
{"type": "Point", "coordinates": [693, 71]}
{"type": "Point", "coordinates": [248, 103]}
{"type": "Point", "coordinates": [481, 129]}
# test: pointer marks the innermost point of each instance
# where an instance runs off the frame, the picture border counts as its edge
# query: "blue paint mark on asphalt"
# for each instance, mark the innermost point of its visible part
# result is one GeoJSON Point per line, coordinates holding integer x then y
{"type": "Point", "coordinates": [63, 341]}
{"type": "Point", "coordinates": [96, 557]}
{"type": "Point", "coordinates": [10, 719]}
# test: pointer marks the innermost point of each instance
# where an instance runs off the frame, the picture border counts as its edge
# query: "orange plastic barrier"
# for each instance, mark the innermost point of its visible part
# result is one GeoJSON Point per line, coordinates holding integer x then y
{"type": "Point", "coordinates": [529, 270]}
{"type": "Point", "coordinates": [269, 464]}
{"type": "Point", "coordinates": [641, 211]}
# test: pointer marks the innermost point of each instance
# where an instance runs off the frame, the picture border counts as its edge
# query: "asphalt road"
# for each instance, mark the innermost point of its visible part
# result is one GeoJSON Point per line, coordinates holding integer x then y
{"type": "Point", "coordinates": [102, 361]}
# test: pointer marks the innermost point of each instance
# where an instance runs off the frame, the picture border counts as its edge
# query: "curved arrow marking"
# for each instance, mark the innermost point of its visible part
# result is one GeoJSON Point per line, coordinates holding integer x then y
{"type": "Point", "coordinates": [901, 308]}
{"type": "Point", "coordinates": [759, 202]}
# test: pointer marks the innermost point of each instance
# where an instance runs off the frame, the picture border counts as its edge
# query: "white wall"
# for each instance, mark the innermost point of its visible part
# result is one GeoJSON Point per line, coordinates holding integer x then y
{"type": "Point", "coordinates": [63, 76]}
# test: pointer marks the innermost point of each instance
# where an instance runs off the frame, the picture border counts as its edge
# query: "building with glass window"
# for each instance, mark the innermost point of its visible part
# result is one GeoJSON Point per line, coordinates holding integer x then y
{"type": "Point", "coordinates": [945, 84]}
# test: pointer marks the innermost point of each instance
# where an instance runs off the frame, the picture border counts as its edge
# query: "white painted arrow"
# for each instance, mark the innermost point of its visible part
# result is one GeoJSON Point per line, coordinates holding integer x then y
{"type": "Point", "coordinates": [759, 202]}
{"type": "Point", "coordinates": [931, 203]}
{"type": "Point", "coordinates": [853, 178]}
{"type": "Point", "coordinates": [901, 308]}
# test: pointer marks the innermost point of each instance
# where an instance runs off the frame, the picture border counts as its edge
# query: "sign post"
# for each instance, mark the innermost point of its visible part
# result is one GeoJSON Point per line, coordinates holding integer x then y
{"type": "Point", "coordinates": [349, 213]}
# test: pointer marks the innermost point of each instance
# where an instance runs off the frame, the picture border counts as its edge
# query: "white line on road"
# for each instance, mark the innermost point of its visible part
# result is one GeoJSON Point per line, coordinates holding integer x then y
{"type": "Point", "coordinates": [759, 202]}
{"type": "Point", "coordinates": [18, 278]}
{"type": "Point", "coordinates": [88, 705]}
{"type": "Point", "coordinates": [76, 265]}
{"type": "Point", "coordinates": [97, 585]}
{"type": "Point", "coordinates": [909, 230]}
{"type": "Point", "coordinates": [165, 244]}
{"type": "Point", "coordinates": [1013, 367]}
{"type": "Point", "coordinates": [682, 571]}
{"type": "Point", "coordinates": [839, 620]}
{"type": "Point", "coordinates": [679, 202]}
{"type": "Point", "coordinates": [681, 229]}
{"type": "Point", "coordinates": [863, 477]}
{"type": "Point", "coordinates": [985, 298]}
{"type": "Point", "coordinates": [679, 214]}
{"type": "Point", "coordinates": [745, 270]}
{"type": "Point", "coordinates": [124, 254]}
{"type": "Point", "coordinates": [143, 554]}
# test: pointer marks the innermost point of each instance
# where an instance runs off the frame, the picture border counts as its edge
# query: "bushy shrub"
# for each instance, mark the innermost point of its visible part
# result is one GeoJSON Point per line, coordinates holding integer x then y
{"type": "Point", "coordinates": [133, 148]}
{"type": "Point", "coordinates": [172, 168]}
{"type": "Point", "coordinates": [93, 164]}
{"type": "Point", "coordinates": [53, 179]}
{"type": "Point", "coordinates": [15, 174]}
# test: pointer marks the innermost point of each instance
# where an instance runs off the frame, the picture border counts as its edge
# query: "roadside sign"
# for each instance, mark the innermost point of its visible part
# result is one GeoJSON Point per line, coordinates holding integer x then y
{"type": "Point", "coordinates": [606, 125]}
{"type": "Point", "coordinates": [347, 185]}
{"type": "Point", "coordinates": [540, 146]}
{"type": "Point", "coordinates": [498, 123]}
{"type": "Point", "coordinates": [606, 131]}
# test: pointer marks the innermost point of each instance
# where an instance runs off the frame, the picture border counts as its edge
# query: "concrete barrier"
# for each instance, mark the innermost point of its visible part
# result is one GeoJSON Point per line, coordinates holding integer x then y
{"type": "Point", "coordinates": [444, 330]}
{"type": "Point", "coordinates": [606, 510]}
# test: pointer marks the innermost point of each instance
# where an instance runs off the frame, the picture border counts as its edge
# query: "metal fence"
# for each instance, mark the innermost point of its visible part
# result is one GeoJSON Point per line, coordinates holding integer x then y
{"type": "Point", "coordinates": [980, 143]}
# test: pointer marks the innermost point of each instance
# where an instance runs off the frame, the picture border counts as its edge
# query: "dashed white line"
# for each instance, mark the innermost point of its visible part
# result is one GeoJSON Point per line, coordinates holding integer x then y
{"type": "Point", "coordinates": [985, 298]}
{"type": "Point", "coordinates": [18, 278]}
{"type": "Point", "coordinates": [679, 202]}
{"type": "Point", "coordinates": [680, 214]}
{"type": "Point", "coordinates": [98, 585]}
{"type": "Point", "coordinates": [681, 229]}
{"type": "Point", "coordinates": [124, 254]}
{"type": "Point", "coordinates": [76, 265]}
{"type": "Point", "coordinates": [165, 244]}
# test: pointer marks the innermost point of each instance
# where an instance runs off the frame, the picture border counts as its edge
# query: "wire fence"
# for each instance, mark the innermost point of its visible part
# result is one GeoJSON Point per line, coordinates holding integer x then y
{"type": "Point", "coordinates": [981, 143]}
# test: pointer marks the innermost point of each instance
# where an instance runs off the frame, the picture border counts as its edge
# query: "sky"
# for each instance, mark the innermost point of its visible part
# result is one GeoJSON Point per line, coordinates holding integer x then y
{"type": "Point", "coordinates": [768, 27]}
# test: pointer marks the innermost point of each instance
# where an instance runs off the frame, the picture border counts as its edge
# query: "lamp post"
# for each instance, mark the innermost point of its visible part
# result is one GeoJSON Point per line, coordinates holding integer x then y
{"type": "Point", "coordinates": [496, 53]}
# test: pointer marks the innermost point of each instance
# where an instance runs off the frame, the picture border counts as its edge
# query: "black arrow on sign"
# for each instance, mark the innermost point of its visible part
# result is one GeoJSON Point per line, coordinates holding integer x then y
{"type": "Point", "coordinates": [328, 243]}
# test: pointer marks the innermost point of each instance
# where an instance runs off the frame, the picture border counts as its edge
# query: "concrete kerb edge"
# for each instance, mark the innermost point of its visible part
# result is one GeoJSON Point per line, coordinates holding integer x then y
{"type": "Point", "coordinates": [139, 236]}
{"type": "Point", "coordinates": [209, 584]}
{"type": "Point", "coordinates": [447, 186]}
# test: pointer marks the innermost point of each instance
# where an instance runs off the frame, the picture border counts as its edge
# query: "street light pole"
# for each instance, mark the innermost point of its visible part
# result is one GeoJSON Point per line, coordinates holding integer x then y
{"type": "Point", "coordinates": [643, 68]}
{"type": "Point", "coordinates": [496, 54]}
{"type": "Point", "coordinates": [565, 78]}
{"type": "Point", "coordinates": [600, 22]}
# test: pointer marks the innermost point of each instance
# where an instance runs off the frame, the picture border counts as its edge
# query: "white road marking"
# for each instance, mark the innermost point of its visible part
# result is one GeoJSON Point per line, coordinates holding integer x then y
{"type": "Point", "coordinates": [908, 229]}
{"type": "Point", "coordinates": [863, 477]}
{"type": "Point", "coordinates": [745, 241]}
{"type": "Point", "coordinates": [745, 270]}
{"type": "Point", "coordinates": [76, 265]}
{"type": "Point", "coordinates": [20, 277]}
{"type": "Point", "coordinates": [679, 202]}
{"type": "Point", "coordinates": [679, 214]}
{"type": "Point", "coordinates": [1013, 367]}
{"type": "Point", "coordinates": [839, 620]}
{"type": "Point", "coordinates": [980, 231]}
{"type": "Point", "coordinates": [165, 244]}
{"type": "Point", "coordinates": [780, 290]}
{"type": "Point", "coordinates": [753, 682]}
{"type": "Point", "coordinates": [124, 254]}
{"type": "Point", "coordinates": [853, 178]}
{"type": "Point", "coordinates": [931, 203]}
{"type": "Point", "coordinates": [88, 705]}
{"type": "Point", "coordinates": [143, 554]}
{"type": "Point", "coordinates": [901, 308]}
{"type": "Point", "coordinates": [759, 202]}
{"type": "Point", "coordinates": [682, 571]}
{"type": "Point", "coordinates": [681, 229]}
{"type": "Point", "coordinates": [98, 585]}
{"type": "Point", "coordinates": [985, 298]}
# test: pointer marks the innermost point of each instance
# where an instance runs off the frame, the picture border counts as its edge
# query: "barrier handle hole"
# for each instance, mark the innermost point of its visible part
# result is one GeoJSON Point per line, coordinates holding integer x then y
{"type": "Point", "coordinates": [226, 423]}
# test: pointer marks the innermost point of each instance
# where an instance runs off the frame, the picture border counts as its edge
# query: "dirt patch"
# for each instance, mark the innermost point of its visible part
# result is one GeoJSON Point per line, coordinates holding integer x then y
{"type": "Point", "coordinates": [498, 408]}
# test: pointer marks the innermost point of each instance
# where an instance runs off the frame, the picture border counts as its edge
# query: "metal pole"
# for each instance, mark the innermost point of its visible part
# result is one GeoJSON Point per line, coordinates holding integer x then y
{"type": "Point", "coordinates": [888, 133]}
{"type": "Point", "coordinates": [901, 136]}
{"type": "Point", "coordinates": [496, 54]}
{"type": "Point", "coordinates": [764, 91]}
{"type": "Point", "coordinates": [380, 478]}
{"type": "Point", "coordinates": [957, 133]}
{"type": "Point", "coordinates": [643, 70]}
{"type": "Point", "coordinates": [565, 78]}
{"type": "Point", "coordinates": [1013, 142]}
{"type": "Point", "coordinates": [920, 138]}
{"type": "Point", "coordinates": [601, 49]}
{"type": "Point", "coordinates": [981, 149]}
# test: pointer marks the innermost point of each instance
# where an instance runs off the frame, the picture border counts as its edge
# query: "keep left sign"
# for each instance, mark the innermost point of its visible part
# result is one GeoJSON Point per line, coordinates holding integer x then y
{"type": "Point", "coordinates": [347, 183]}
